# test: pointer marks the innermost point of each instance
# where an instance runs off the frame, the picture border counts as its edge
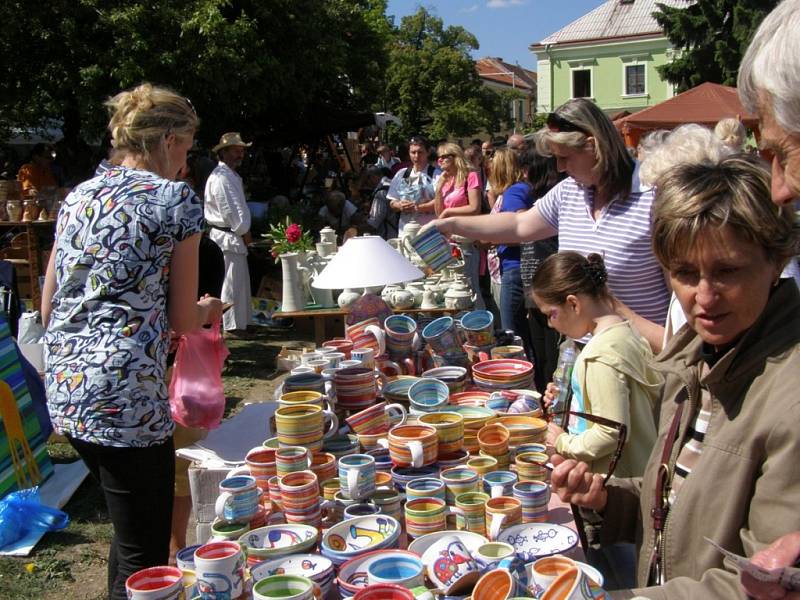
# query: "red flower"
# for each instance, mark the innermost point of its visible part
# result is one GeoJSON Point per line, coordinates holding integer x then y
{"type": "Point", "coordinates": [293, 233]}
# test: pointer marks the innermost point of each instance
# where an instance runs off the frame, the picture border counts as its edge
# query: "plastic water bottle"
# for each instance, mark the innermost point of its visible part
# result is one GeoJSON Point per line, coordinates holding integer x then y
{"type": "Point", "coordinates": [563, 375]}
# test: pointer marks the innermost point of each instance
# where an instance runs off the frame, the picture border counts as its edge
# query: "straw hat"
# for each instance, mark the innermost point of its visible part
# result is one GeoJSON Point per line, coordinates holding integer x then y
{"type": "Point", "coordinates": [232, 138]}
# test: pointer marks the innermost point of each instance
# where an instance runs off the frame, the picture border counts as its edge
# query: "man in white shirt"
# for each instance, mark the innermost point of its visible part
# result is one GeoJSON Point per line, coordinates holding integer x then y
{"type": "Point", "coordinates": [412, 189]}
{"type": "Point", "coordinates": [227, 213]}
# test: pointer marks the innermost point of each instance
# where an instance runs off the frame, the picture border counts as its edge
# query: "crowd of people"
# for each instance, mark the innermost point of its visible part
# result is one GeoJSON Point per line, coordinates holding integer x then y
{"type": "Point", "coordinates": [674, 271]}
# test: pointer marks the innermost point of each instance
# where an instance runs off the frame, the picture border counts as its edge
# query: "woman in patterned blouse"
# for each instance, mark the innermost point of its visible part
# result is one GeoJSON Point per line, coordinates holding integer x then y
{"type": "Point", "coordinates": [122, 275]}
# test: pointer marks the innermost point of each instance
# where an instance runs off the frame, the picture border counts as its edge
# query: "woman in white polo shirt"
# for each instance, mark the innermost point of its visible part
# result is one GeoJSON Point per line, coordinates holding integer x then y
{"type": "Point", "coordinates": [600, 207]}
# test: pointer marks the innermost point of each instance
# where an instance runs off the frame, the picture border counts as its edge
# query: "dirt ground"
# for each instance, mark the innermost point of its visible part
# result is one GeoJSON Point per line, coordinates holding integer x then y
{"type": "Point", "coordinates": [71, 564]}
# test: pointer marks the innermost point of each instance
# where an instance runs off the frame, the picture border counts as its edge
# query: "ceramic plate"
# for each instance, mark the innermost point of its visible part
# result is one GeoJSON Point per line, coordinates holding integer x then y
{"type": "Point", "coordinates": [470, 539]}
{"type": "Point", "coordinates": [361, 534]}
{"type": "Point", "coordinates": [280, 539]}
{"type": "Point", "coordinates": [313, 566]}
{"type": "Point", "coordinates": [536, 540]}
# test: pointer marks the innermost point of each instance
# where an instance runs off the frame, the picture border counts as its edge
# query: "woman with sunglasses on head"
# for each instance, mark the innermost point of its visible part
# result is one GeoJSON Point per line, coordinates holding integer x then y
{"type": "Point", "coordinates": [122, 274]}
{"type": "Point", "coordinates": [458, 192]}
{"type": "Point", "coordinates": [724, 466]}
{"type": "Point", "coordinates": [601, 207]}
{"type": "Point", "coordinates": [612, 378]}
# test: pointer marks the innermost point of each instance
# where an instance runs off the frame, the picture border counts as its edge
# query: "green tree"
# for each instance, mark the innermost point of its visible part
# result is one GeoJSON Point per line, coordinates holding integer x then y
{"type": "Point", "coordinates": [258, 66]}
{"type": "Point", "coordinates": [711, 37]}
{"type": "Point", "coordinates": [431, 81]}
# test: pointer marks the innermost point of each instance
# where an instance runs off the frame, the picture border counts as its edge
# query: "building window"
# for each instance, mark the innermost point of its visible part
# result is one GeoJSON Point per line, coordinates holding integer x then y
{"type": "Point", "coordinates": [634, 80]}
{"type": "Point", "coordinates": [582, 83]}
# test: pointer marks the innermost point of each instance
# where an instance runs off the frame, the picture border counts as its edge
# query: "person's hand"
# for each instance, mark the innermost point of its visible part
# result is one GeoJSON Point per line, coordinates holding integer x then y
{"type": "Point", "coordinates": [408, 206]}
{"type": "Point", "coordinates": [212, 308]}
{"type": "Point", "coordinates": [550, 394]}
{"type": "Point", "coordinates": [442, 225]}
{"type": "Point", "coordinates": [574, 483]}
{"type": "Point", "coordinates": [247, 239]}
{"type": "Point", "coordinates": [553, 431]}
{"type": "Point", "coordinates": [783, 552]}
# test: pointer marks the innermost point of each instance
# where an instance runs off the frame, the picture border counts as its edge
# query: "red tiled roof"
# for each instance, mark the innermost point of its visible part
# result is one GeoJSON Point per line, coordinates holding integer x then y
{"type": "Point", "coordinates": [705, 104]}
{"type": "Point", "coordinates": [498, 71]}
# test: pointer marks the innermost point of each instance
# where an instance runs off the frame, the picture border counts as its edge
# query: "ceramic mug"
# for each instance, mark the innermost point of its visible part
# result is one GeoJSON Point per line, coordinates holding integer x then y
{"type": "Point", "coordinates": [375, 419]}
{"type": "Point", "coordinates": [482, 464]}
{"type": "Point", "coordinates": [302, 397]}
{"type": "Point", "coordinates": [261, 462]}
{"type": "Point", "coordinates": [449, 429]}
{"type": "Point", "coordinates": [238, 499]}
{"type": "Point", "coordinates": [223, 530]}
{"type": "Point", "coordinates": [499, 483]}
{"type": "Point", "coordinates": [442, 336]}
{"type": "Point", "coordinates": [300, 496]}
{"type": "Point", "coordinates": [323, 465]}
{"type": "Point", "coordinates": [544, 573]}
{"type": "Point", "coordinates": [488, 556]}
{"type": "Point", "coordinates": [502, 512]}
{"type": "Point", "coordinates": [285, 587]}
{"type": "Point", "coordinates": [425, 487]}
{"type": "Point", "coordinates": [478, 327]}
{"type": "Point", "coordinates": [360, 509]}
{"type": "Point", "coordinates": [305, 425]}
{"type": "Point", "coordinates": [450, 566]}
{"type": "Point", "coordinates": [473, 512]}
{"type": "Point", "coordinates": [459, 480]}
{"type": "Point", "coordinates": [184, 558]}
{"type": "Point", "coordinates": [426, 515]}
{"type": "Point", "coordinates": [498, 584]}
{"type": "Point", "coordinates": [304, 381]}
{"type": "Point", "coordinates": [343, 345]}
{"type": "Point", "coordinates": [431, 246]}
{"type": "Point", "coordinates": [357, 475]}
{"type": "Point", "coordinates": [531, 466]}
{"type": "Point", "coordinates": [413, 445]}
{"type": "Point", "coordinates": [219, 568]}
{"type": "Point", "coordinates": [365, 355]}
{"type": "Point", "coordinates": [534, 497]}
{"type": "Point", "coordinates": [508, 352]}
{"type": "Point", "coordinates": [384, 591]}
{"type": "Point", "coordinates": [155, 583]}
{"type": "Point", "coordinates": [290, 459]}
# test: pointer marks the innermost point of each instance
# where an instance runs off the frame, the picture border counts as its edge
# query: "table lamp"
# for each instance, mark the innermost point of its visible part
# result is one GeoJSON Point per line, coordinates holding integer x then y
{"type": "Point", "coordinates": [366, 261]}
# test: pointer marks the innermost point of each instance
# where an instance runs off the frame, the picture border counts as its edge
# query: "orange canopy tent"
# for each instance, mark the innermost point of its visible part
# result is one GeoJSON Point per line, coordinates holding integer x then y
{"type": "Point", "coordinates": [705, 104]}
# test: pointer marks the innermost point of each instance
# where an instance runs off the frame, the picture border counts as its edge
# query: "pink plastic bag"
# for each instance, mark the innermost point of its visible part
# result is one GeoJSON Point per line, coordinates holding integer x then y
{"type": "Point", "coordinates": [196, 396]}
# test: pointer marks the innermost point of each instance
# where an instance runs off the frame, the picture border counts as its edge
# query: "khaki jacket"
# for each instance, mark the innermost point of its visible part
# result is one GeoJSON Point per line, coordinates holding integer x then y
{"type": "Point", "coordinates": [744, 491]}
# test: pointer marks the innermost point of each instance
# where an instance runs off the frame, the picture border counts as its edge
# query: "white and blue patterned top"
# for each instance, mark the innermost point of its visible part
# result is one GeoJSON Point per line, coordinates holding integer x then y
{"type": "Point", "coordinates": [107, 340]}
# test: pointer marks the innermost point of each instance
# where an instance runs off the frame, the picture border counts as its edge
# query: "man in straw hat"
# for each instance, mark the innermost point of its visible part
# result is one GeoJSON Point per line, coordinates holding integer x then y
{"type": "Point", "coordinates": [227, 213]}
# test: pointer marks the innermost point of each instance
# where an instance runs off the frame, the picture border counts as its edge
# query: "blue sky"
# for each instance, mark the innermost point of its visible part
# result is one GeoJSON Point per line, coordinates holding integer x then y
{"type": "Point", "coordinates": [504, 28]}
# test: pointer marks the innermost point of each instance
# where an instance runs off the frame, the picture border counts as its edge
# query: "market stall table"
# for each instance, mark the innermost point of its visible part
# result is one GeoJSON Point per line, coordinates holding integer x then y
{"type": "Point", "coordinates": [321, 316]}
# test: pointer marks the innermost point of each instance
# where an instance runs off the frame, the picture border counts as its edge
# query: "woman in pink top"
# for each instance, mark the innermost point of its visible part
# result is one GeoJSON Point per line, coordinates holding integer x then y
{"type": "Point", "coordinates": [458, 190]}
{"type": "Point", "coordinates": [458, 193]}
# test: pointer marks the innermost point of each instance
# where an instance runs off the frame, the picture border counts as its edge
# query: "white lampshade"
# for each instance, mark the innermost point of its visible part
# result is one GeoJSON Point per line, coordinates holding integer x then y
{"type": "Point", "coordinates": [366, 261]}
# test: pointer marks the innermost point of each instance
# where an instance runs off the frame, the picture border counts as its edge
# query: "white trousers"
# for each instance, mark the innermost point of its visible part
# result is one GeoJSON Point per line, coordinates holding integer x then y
{"type": "Point", "coordinates": [236, 290]}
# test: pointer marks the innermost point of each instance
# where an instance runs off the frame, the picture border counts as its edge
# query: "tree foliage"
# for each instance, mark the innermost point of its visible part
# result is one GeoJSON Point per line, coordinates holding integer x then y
{"type": "Point", "coordinates": [432, 84]}
{"type": "Point", "coordinates": [251, 65]}
{"type": "Point", "coordinates": [711, 36]}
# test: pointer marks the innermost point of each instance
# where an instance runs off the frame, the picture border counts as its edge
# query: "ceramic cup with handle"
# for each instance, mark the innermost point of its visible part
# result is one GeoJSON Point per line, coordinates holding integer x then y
{"type": "Point", "coordinates": [502, 512]}
{"type": "Point", "coordinates": [219, 568]}
{"type": "Point", "coordinates": [426, 515]}
{"type": "Point", "coordinates": [404, 570]}
{"type": "Point", "coordinates": [375, 419]}
{"type": "Point", "coordinates": [560, 578]}
{"type": "Point", "coordinates": [413, 445]}
{"type": "Point", "coordinates": [286, 587]}
{"type": "Point", "coordinates": [488, 556]}
{"type": "Point", "coordinates": [238, 499]}
{"type": "Point", "coordinates": [357, 475]}
{"type": "Point", "coordinates": [499, 483]}
{"type": "Point", "coordinates": [450, 567]}
{"type": "Point", "coordinates": [155, 583]}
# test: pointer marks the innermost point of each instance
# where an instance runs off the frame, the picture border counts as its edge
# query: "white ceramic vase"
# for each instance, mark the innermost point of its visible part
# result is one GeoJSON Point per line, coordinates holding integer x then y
{"type": "Point", "coordinates": [293, 294]}
{"type": "Point", "coordinates": [347, 297]}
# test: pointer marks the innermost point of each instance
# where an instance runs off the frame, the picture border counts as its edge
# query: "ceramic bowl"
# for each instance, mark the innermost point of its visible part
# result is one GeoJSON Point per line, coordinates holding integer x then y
{"type": "Point", "coordinates": [537, 540]}
{"type": "Point", "coordinates": [317, 568]}
{"type": "Point", "coordinates": [469, 398]}
{"type": "Point", "coordinates": [358, 535]}
{"type": "Point", "coordinates": [396, 390]}
{"type": "Point", "coordinates": [279, 540]}
{"type": "Point", "coordinates": [428, 394]}
{"type": "Point", "coordinates": [353, 574]}
{"type": "Point", "coordinates": [470, 539]}
{"type": "Point", "coordinates": [502, 369]}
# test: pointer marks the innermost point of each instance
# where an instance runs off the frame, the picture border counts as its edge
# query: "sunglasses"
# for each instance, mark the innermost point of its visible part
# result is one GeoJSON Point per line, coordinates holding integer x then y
{"type": "Point", "coordinates": [621, 428]}
{"type": "Point", "coordinates": [417, 141]}
{"type": "Point", "coordinates": [557, 123]}
{"type": "Point", "coordinates": [443, 156]}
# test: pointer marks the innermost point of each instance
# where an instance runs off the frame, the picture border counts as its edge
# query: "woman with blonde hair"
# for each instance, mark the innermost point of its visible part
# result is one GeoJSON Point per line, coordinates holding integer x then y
{"type": "Point", "coordinates": [601, 207]}
{"type": "Point", "coordinates": [458, 192]}
{"type": "Point", "coordinates": [123, 275]}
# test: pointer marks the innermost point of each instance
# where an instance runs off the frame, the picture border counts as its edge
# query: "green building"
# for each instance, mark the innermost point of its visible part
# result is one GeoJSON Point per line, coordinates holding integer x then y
{"type": "Point", "coordinates": [609, 55]}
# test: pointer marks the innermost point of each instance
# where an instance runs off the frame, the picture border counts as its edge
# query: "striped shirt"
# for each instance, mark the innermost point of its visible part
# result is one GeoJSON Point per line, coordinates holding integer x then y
{"type": "Point", "coordinates": [621, 235]}
{"type": "Point", "coordinates": [695, 436]}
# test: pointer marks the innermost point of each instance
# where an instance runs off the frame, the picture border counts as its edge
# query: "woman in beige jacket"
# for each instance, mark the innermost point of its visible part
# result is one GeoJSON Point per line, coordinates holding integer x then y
{"type": "Point", "coordinates": [725, 463]}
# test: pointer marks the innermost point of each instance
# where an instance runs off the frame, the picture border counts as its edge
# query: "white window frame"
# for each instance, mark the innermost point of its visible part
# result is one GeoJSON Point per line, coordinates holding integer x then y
{"type": "Point", "coordinates": [572, 81]}
{"type": "Point", "coordinates": [633, 61]}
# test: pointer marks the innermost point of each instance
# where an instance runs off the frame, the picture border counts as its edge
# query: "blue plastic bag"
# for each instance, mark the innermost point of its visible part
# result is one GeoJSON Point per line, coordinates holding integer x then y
{"type": "Point", "coordinates": [22, 513]}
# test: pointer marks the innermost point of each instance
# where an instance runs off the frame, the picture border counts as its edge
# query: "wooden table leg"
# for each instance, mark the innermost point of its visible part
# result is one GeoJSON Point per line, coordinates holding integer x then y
{"type": "Point", "coordinates": [319, 329]}
{"type": "Point", "coordinates": [33, 265]}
